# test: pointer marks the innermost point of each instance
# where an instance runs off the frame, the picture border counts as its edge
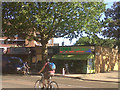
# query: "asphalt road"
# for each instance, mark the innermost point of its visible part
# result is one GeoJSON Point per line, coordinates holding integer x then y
{"type": "Point", "coordinates": [20, 81]}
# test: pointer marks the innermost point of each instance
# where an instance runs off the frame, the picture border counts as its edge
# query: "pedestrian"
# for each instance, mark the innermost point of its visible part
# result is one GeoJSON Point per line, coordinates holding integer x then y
{"type": "Point", "coordinates": [67, 68]}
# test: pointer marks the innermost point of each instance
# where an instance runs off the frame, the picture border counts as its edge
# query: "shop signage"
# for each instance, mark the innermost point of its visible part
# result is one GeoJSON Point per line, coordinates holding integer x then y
{"type": "Point", "coordinates": [75, 50]}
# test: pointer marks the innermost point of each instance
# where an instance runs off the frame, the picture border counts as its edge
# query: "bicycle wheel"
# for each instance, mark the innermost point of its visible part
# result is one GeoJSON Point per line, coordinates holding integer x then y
{"type": "Point", "coordinates": [38, 85]}
{"type": "Point", "coordinates": [53, 86]}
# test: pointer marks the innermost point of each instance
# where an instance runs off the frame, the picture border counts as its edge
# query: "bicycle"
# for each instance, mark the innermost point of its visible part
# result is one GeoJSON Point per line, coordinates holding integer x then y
{"type": "Point", "coordinates": [51, 85]}
{"type": "Point", "coordinates": [26, 71]}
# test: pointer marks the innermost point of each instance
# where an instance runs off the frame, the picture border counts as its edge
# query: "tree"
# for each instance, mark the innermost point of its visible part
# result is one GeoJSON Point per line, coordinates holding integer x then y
{"type": "Point", "coordinates": [112, 22]}
{"type": "Point", "coordinates": [51, 19]}
{"type": "Point", "coordinates": [95, 40]}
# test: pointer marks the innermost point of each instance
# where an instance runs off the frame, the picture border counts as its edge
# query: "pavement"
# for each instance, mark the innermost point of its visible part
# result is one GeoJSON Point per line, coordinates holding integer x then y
{"type": "Point", "coordinates": [112, 76]}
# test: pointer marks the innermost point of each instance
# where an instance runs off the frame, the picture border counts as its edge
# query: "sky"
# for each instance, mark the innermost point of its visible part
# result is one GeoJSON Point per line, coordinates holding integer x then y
{"type": "Point", "coordinates": [67, 42]}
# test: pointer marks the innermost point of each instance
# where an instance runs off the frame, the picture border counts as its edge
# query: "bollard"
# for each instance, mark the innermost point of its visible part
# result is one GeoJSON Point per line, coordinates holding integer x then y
{"type": "Point", "coordinates": [63, 71]}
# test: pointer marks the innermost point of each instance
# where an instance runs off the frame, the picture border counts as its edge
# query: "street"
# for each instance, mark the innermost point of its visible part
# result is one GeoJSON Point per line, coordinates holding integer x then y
{"type": "Point", "coordinates": [21, 81]}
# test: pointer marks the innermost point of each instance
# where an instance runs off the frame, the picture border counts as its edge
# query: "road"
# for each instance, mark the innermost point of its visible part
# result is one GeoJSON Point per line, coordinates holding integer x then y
{"type": "Point", "coordinates": [20, 81]}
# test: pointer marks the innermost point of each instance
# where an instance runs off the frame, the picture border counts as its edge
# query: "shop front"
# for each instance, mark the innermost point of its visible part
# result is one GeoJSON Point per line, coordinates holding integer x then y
{"type": "Point", "coordinates": [75, 59]}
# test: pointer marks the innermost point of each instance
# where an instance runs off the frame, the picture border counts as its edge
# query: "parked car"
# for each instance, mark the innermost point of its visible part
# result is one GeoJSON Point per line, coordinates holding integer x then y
{"type": "Point", "coordinates": [11, 64]}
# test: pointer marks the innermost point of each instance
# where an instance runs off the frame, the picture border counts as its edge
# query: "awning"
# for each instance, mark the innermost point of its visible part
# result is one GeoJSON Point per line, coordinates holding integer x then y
{"type": "Point", "coordinates": [73, 57]}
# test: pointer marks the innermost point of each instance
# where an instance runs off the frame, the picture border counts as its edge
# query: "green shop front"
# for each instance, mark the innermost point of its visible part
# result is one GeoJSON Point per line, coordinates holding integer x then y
{"type": "Point", "coordinates": [79, 59]}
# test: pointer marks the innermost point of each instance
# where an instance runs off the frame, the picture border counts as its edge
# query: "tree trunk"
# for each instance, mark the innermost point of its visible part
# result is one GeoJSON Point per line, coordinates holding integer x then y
{"type": "Point", "coordinates": [44, 52]}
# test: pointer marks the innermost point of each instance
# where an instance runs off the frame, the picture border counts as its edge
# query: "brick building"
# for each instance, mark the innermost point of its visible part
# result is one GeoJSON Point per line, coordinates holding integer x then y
{"type": "Point", "coordinates": [6, 43]}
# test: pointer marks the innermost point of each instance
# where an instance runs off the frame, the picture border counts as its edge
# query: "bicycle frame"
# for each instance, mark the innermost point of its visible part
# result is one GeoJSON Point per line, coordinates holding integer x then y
{"type": "Point", "coordinates": [48, 81]}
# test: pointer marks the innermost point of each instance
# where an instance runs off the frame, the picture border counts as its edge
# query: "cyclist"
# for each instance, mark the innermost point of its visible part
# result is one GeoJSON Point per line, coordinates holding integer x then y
{"type": "Point", "coordinates": [26, 68]}
{"type": "Point", "coordinates": [48, 72]}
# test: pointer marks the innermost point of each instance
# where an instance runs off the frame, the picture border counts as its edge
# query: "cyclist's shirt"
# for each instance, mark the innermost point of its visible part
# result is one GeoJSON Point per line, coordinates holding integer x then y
{"type": "Point", "coordinates": [47, 69]}
{"type": "Point", "coordinates": [25, 65]}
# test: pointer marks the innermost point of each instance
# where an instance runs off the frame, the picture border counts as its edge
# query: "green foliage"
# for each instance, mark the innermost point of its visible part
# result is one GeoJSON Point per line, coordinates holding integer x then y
{"type": "Point", "coordinates": [112, 22]}
{"type": "Point", "coordinates": [96, 41]}
{"type": "Point", "coordinates": [51, 19]}
{"type": "Point", "coordinates": [14, 21]}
